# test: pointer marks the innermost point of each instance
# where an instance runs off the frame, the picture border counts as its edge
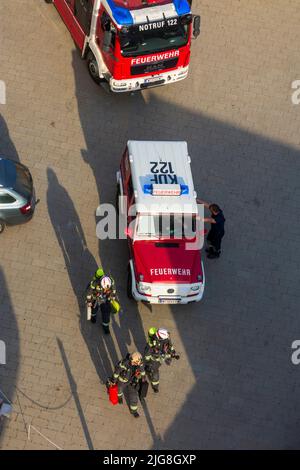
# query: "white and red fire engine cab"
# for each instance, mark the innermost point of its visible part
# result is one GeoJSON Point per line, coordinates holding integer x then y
{"type": "Point", "coordinates": [157, 197]}
{"type": "Point", "coordinates": [132, 44]}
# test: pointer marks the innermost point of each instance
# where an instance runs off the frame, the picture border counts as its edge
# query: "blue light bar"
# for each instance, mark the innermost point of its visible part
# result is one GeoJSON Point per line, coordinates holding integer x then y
{"type": "Point", "coordinates": [121, 15]}
{"type": "Point", "coordinates": [184, 189]}
{"type": "Point", "coordinates": [182, 7]}
{"type": "Point", "coordinates": [148, 188]}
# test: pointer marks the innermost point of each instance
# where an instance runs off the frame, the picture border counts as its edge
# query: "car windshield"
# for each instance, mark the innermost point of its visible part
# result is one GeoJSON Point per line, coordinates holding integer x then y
{"type": "Point", "coordinates": [137, 43]}
{"type": "Point", "coordinates": [23, 184]}
{"type": "Point", "coordinates": [166, 226]}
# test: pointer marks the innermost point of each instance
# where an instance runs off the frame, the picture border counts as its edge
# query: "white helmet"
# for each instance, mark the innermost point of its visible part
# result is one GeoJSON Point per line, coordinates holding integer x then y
{"type": "Point", "coordinates": [106, 282]}
{"type": "Point", "coordinates": [162, 333]}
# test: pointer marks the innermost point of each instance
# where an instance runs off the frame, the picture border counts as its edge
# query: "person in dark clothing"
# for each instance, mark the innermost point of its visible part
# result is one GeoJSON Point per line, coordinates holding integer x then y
{"type": "Point", "coordinates": [217, 231]}
{"type": "Point", "coordinates": [101, 293]}
{"type": "Point", "coordinates": [127, 375]}
{"type": "Point", "coordinates": [159, 350]}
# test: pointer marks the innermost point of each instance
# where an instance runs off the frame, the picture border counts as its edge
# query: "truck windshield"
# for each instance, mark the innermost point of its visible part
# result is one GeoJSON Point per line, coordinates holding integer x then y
{"type": "Point", "coordinates": [166, 226]}
{"type": "Point", "coordinates": [136, 43]}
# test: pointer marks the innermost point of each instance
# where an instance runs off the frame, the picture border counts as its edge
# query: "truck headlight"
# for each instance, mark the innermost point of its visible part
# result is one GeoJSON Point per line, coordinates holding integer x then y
{"type": "Point", "coordinates": [195, 287]}
{"type": "Point", "coordinates": [144, 287]}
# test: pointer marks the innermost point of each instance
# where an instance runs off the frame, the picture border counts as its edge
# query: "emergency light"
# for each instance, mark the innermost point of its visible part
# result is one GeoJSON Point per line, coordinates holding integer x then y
{"type": "Point", "coordinates": [166, 189]}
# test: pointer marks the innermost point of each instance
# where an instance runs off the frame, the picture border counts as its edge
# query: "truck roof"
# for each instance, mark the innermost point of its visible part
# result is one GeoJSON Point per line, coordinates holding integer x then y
{"type": "Point", "coordinates": [161, 176]}
{"type": "Point", "coordinates": [129, 12]}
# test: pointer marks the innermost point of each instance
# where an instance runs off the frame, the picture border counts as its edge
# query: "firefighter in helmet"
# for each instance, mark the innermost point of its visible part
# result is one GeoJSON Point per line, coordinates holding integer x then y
{"type": "Point", "coordinates": [128, 374]}
{"type": "Point", "coordinates": [159, 349]}
{"type": "Point", "coordinates": [101, 292]}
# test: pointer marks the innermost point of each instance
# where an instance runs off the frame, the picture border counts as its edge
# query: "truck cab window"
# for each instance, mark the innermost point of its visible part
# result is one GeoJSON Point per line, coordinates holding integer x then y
{"type": "Point", "coordinates": [83, 10]}
{"type": "Point", "coordinates": [107, 25]}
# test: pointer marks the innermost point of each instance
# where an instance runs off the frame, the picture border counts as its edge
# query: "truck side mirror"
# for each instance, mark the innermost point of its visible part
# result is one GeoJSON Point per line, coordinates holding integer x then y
{"type": "Point", "coordinates": [128, 232]}
{"type": "Point", "coordinates": [107, 41]}
{"type": "Point", "coordinates": [196, 26]}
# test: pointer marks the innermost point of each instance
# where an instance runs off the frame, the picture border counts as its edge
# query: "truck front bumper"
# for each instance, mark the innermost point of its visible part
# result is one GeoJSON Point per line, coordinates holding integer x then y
{"type": "Point", "coordinates": [149, 81]}
{"type": "Point", "coordinates": [166, 299]}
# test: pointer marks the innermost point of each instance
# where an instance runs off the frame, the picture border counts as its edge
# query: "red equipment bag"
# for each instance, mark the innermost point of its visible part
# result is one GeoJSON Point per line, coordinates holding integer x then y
{"type": "Point", "coordinates": [113, 394]}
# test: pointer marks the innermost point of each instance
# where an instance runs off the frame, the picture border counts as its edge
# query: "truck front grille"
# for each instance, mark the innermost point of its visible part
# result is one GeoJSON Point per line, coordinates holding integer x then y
{"type": "Point", "coordinates": [154, 66]}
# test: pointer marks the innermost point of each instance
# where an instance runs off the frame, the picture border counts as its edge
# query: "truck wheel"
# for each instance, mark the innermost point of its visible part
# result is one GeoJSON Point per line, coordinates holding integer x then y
{"type": "Point", "coordinates": [48, 1]}
{"type": "Point", "coordinates": [129, 285]}
{"type": "Point", "coordinates": [2, 226]}
{"type": "Point", "coordinates": [93, 67]}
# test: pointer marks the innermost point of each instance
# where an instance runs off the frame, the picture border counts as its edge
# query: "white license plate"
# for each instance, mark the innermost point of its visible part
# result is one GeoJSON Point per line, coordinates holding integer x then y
{"type": "Point", "coordinates": [152, 80]}
{"type": "Point", "coordinates": [169, 301]}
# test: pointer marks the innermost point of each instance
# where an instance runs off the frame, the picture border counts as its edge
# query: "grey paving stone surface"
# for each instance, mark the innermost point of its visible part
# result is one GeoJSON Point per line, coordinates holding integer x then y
{"type": "Point", "coordinates": [235, 385]}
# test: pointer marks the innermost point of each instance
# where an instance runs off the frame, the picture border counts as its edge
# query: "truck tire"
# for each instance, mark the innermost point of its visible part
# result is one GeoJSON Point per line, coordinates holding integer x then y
{"type": "Point", "coordinates": [48, 1]}
{"type": "Point", "coordinates": [129, 284]}
{"type": "Point", "coordinates": [2, 226]}
{"type": "Point", "coordinates": [93, 67]}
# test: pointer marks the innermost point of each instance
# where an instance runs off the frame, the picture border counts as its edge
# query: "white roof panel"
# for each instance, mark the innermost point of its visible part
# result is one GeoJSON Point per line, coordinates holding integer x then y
{"type": "Point", "coordinates": [162, 163]}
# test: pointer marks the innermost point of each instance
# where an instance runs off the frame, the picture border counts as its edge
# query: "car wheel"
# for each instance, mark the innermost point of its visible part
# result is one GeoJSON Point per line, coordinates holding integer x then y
{"type": "Point", "coordinates": [93, 67]}
{"type": "Point", "coordinates": [2, 226]}
{"type": "Point", "coordinates": [129, 284]}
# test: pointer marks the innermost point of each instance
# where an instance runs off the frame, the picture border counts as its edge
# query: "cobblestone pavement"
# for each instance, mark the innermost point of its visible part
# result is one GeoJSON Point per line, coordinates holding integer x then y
{"type": "Point", "coordinates": [235, 385]}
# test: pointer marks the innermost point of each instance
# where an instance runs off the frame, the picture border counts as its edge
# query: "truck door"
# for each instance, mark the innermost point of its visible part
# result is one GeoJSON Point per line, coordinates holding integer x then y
{"type": "Point", "coordinates": [72, 12]}
{"type": "Point", "coordinates": [104, 25]}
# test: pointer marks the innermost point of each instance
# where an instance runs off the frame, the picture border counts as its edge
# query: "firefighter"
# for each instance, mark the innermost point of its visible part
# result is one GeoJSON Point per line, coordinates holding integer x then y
{"type": "Point", "coordinates": [159, 349]}
{"type": "Point", "coordinates": [107, 294]}
{"type": "Point", "coordinates": [129, 372]}
{"type": "Point", "coordinates": [101, 292]}
{"type": "Point", "coordinates": [216, 233]}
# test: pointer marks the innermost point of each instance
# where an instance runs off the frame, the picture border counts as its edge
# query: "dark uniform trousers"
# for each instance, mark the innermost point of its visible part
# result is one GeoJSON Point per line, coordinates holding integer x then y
{"type": "Point", "coordinates": [215, 239]}
{"type": "Point", "coordinates": [152, 368]}
{"type": "Point", "coordinates": [132, 394]}
{"type": "Point", "coordinates": [105, 308]}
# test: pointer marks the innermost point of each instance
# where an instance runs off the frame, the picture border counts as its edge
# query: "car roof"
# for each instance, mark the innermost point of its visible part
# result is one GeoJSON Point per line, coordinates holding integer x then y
{"type": "Point", "coordinates": [142, 157]}
{"type": "Point", "coordinates": [7, 173]}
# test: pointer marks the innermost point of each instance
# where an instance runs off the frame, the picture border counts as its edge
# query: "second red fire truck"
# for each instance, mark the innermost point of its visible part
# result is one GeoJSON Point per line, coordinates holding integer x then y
{"type": "Point", "coordinates": [132, 44]}
{"type": "Point", "coordinates": [160, 209]}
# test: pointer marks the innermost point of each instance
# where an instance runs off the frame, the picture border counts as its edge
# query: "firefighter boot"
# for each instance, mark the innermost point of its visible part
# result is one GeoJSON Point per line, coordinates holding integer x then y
{"type": "Point", "coordinates": [106, 329]}
{"type": "Point", "coordinates": [135, 414]}
{"type": "Point", "coordinates": [155, 388]}
{"type": "Point", "coordinates": [120, 400]}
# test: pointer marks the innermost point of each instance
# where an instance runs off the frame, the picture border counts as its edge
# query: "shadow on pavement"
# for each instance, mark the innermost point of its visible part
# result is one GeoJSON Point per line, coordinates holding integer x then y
{"type": "Point", "coordinates": [8, 321]}
{"type": "Point", "coordinates": [229, 337]}
{"type": "Point", "coordinates": [80, 265]}
{"type": "Point", "coordinates": [9, 335]}
{"type": "Point", "coordinates": [73, 388]}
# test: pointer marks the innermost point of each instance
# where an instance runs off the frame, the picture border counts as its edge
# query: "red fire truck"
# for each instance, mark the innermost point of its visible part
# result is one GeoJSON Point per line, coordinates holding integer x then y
{"type": "Point", "coordinates": [132, 44]}
{"type": "Point", "coordinates": [158, 202]}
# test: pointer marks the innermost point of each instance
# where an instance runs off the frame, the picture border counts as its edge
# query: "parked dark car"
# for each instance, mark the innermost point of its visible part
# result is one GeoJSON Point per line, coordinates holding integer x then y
{"type": "Point", "coordinates": [17, 195]}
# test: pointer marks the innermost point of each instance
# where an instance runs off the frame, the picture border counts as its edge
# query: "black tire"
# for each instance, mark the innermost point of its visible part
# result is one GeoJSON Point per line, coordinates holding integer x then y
{"type": "Point", "coordinates": [93, 67]}
{"type": "Point", "coordinates": [48, 1]}
{"type": "Point", "coordinates": [2, 226]}
{"type": "Point", "coordinates": [129, 284]}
